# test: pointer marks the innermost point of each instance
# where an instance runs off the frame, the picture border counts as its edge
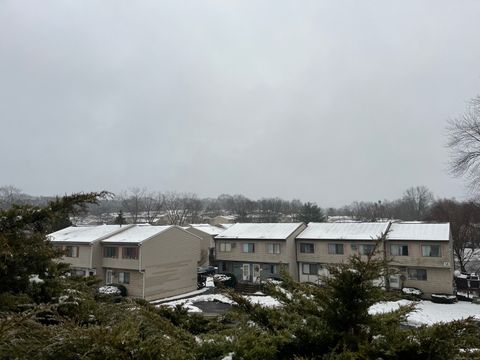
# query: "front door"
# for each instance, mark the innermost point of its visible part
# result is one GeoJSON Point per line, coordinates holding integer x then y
{"type": "Point", "coordinates": [246, 272]}
{"type": "Point", "coordinates": [256, 273]}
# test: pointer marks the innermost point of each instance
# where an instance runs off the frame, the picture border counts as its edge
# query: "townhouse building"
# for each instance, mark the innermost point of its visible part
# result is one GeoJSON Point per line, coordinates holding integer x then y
{"type": "Point", "coordinates": [152, 262]}
{"type": "Point", "coordinates": [419, 254]}
{"type": "Point", "coordinates": [83, 248]}
{"type": "Point", "coordinates": [324, 244]}
{"type": "Point", "coordinates": [256, 251]}
{"type": "Point", "coordinates": [422, 255]}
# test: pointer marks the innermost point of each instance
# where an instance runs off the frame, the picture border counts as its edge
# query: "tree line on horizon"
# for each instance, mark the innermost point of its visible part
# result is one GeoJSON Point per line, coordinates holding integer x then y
{"type": "Point", "coordinates": [182, 207]}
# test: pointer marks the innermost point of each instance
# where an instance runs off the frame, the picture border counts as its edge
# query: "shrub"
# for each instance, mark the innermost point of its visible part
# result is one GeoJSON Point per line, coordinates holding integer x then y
{"type": "Point", "coordinates": [225, 279]}
{"type": "Point", "coordinates": [122, 288]}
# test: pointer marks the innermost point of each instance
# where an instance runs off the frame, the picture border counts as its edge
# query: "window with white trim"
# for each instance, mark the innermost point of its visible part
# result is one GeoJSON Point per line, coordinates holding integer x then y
{"type": "Point", "coordinates": [366, 249]}
{"type": "Point", "coordinates": [309, 269]}
{"type": "Point", "coordinates": [398, 250]}
{"type": "Point", "coordinates": [124, 277]}
{"type": "Point", "coordinates": [225, 247]}
{"type": "Point", "coordinates": [417, 274]}
{"type": "Point", "coordinates": [248, 247]}
{"type": "Point", "coordinates": [71, 251]}
{"type": "Point", "coordinates": [335, 249]}
{"type": "Point", "coordinates": [431, 250]}
{"type": "Point", "coordinates": [273, 248]}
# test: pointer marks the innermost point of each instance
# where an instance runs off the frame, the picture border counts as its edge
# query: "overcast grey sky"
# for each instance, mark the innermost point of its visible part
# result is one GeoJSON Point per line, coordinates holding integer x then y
{"type": "Point", "coordinates": [326, 101]}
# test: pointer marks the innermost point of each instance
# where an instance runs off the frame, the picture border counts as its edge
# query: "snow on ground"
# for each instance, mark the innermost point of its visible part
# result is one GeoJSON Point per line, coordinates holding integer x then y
{"type": "Point", "coordinates": [189, 303]}
{"type": "Point", "coordinates": [208, 286]}
{"type": "Point", "coordinates": [429, 313]}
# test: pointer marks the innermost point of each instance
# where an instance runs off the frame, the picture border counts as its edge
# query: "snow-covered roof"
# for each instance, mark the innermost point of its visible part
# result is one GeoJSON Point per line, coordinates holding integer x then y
{"type": "Point", "coordinates": [259, 231]}
{"type": "Point", "coordinates": [136, 234]}
{"type": "Point", "coordinates": [345, 231]}
{"type": "Point", "coordinates": [419, 231]}
{"type": "Point", "coordinates": [207, 228]}
{"type": "Point", "coordinates": [85, 234]}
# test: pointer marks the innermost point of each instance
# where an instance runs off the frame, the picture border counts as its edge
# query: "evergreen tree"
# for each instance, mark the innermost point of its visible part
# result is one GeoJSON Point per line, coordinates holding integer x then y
{"type": "Point", "coordinates": [120, 219]}
{"type": "Point", "coordinates": [26, 254]}
{"type": "Point", "coordinates": [311, 212]}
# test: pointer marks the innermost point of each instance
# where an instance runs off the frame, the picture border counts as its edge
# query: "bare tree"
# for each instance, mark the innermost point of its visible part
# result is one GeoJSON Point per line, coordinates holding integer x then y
{"type": "Point", "coordinates": [141, 204]}
{"type": "Point", "coordinates": [10, 195]}
{"type": "Point", "coordinates": [464, 143]}
{"type": "Point", "coordinates": [181, 208]}
{"type": "Point", "coordinates": [464, 219]}
{"type": "Point", "coordinates": [417, 200]}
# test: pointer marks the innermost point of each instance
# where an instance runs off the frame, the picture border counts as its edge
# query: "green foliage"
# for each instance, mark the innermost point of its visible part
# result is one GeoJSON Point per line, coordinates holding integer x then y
{"type": "Point", "coordinates": [120, 219]}
{"type": "Point", "coordinates": [311, 212]}
{"type": "Point", "coordinates": [25, 251]}
{"type": "Point", "coordinates": [58, 317]}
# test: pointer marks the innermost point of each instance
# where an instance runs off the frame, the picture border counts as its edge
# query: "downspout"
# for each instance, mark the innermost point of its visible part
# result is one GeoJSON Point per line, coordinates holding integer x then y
{"type": "Point", "coordinates": [384, 244]}
{"type": "Point", "coordinates": [140, 269]}
{"type": "Point", "coordinates": [92, 244]}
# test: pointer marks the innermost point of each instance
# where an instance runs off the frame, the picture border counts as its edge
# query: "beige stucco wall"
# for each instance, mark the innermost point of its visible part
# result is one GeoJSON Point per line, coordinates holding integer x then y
{"type": "Point", "coordinates": [97, 257]}
{"type": "Point", "coordinates": [415, 257]}
{"type": "Point", "coordinates": [438, 281]}
{"type": "Point", "coordinates": [206, 243]}
{"type": "Point", "coordinates": [135, 287]}
{"type": "Point", "coordinates": [83, 259]}
{"type": "Point", "coordinates": [170, 263]}
{"type": "Point", "coordinates": [119, 262]}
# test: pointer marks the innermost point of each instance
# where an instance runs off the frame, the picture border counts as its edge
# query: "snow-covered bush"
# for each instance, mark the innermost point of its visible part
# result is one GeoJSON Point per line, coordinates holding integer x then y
{"type": "Point", "coordinates": [109, 290]}
{"type": "Point", "coordinates": [226, 279]}
{"type": "Point", "coordinates": [412, 293]}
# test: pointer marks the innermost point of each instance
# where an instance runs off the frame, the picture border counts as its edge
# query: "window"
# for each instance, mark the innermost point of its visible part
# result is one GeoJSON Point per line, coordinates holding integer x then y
{"type": "Point", "coordinates": [307, 248]}
{"type": "Point", "coordinates": [124, 278]}
{"type": "Point", "coordinates": [431, 250]}
{"type": "Point", "coordinates": [248, 248]}
{"type": "Point", "coordinates": [78, 272]}
{"type": "Point", "coordinates": [110, 252]}
{"type": "Point", "coordinates": [273, 269]}
{"type": "Point", "coordinates": [309, 269]}
{"type": "Point", "coordinates": [366, 249]}
{"type": "Point", "coordinates": [130, 253]}
{"type": "Point", "coordinates": [225, 247]}
{"type": "Point", "coordinates": [273, 248]}
{"type": "Point", "coordinates": [417, 274]}
{"type": "Point", "coordinates": [398, 250]}
{"type": "Point", "coordinates": [71, 251]}
{"type": "Point", "coordinates": [336, 249]}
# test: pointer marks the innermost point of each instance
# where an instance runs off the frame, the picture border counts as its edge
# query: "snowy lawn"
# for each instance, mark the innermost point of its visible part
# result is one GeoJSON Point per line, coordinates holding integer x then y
{"type": "Point", "coordinates": [429, 313]}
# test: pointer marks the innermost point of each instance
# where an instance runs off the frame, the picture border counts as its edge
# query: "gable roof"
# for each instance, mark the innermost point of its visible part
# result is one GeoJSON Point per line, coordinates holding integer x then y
{"type": "Point", "coordinates": [419, 231]}
{"type": "Point", "coordinates": [85, 234]}
{"type": "Point", "coordinates": [276, 231]}
{"type": "Point", "coordinates": [137, 234]}
{"type": "Point", "coordinates": [344, 230]}
{"type": "Point", "coordinates": [207, 228]}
